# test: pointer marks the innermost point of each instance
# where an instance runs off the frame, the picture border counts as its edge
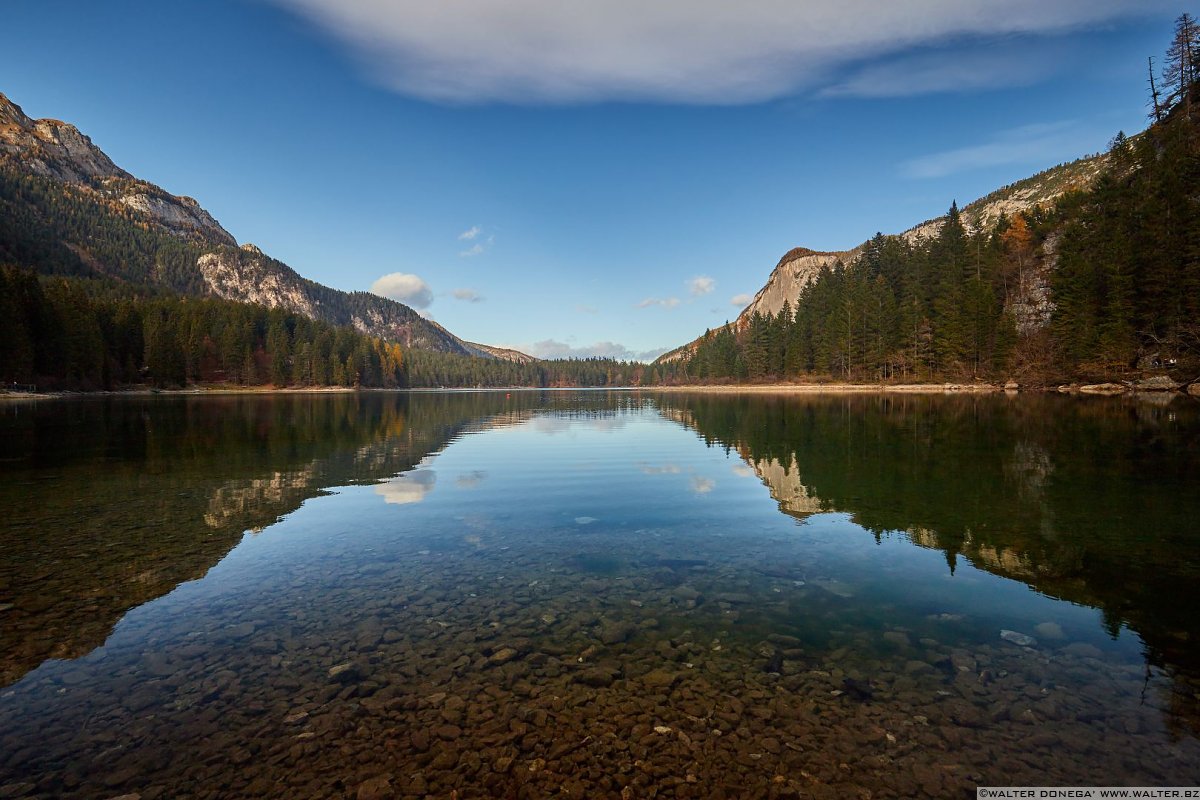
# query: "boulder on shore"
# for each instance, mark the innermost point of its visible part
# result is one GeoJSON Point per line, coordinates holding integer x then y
{"type": "Point", "coordinates": [1158, 383]}
{"type": "Point", "coordinates": [1103, 388]}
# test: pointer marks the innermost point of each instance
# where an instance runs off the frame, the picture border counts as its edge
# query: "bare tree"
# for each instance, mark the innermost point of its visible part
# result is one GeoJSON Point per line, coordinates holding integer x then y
{"type": "Point", "coordinates": [1156, 106]}
{"type": "Point", "coordinates": [1182, 66]}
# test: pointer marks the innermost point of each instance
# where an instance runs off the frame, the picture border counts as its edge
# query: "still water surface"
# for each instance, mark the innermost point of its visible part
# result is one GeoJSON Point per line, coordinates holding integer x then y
{"type": "Point", "coordinates": [597, 594]}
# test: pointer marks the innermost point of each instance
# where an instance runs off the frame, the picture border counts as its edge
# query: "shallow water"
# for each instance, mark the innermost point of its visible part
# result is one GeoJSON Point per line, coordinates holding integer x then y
{"type": "Point", "coordinates": [596, 594]}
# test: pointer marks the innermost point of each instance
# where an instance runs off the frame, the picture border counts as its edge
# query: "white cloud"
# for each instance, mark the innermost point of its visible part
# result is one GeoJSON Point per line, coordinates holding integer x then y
{"type": "Point", "coordinates": [1029, 144]}
{"type": "Point", "coordinates": [700, 285]}
{"type": "Point", "coordinates": [467, 295]}
{"type": "Point", "coordinates": [410, 487]}
{"type": "Point", "coordinates": [551, 348]}
{"type": "Point", "coordinates": [470, 233]}
{"type": "Point", "coordinates": [1018, 63]}
{"type": "Point", "coordinates": [678, 51]}
{"type": "Point", "coordinates": [473, 250]}
{"type": "Point", "coordinates": [406, 288]}
{"type": "Point", "coordinates": [665, 302]}
{"type": "Point", "coordinates": [741, 300]}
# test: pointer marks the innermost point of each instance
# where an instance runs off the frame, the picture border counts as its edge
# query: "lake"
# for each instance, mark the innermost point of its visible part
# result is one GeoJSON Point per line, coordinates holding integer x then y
{"type": "Point", "coordinates": [597, 594]}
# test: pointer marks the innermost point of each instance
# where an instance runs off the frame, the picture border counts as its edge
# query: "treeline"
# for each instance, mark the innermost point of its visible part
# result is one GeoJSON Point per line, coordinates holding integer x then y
{"type": "Point", "coordinates": [976, 304]}
{"type": "Point", "coordinates": [1128, 277]}
{"type": "Point", "coordinates": [427, 369]}
{"type": "Point", "coordinates": [84, 334]}
{"type": "Point", "coordinates": [68, 333]}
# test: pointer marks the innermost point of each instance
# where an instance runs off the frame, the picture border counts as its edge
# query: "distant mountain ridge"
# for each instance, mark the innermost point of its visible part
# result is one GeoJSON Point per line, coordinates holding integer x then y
{"type": "Point", "coordinates": [800, 266]}
{"type": "Point", "coordinates": [184, 248]}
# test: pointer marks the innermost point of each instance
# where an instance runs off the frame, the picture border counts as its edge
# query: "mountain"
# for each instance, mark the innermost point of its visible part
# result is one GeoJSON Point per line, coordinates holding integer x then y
{"type": "Point", "coordinates": [800, 266]}
{"type": "Point", "coordinates": [66, 208]}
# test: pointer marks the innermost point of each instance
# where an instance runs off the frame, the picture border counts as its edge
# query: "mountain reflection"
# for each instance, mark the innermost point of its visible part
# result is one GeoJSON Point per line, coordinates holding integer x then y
{"type": "Point", "coordinates": [1090, 501]}
{"type": "Point", "coordinates": [112, 503]}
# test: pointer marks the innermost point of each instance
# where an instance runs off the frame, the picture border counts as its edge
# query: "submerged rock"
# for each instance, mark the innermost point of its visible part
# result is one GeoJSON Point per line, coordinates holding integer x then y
{"type": "Point", "coordinates": [616, 632]}
{"type": "Point", "coordinates": [1019, 639]}
{"type": "Point", "coordinates": [375, 788]}
{"type": "Point", "coordinates": [502, 656]}
{"type": "Point", "coordinates": [598, 677]}
{"type": "Point", "coordinates": [345, 673]}
{"type": "Point", "coordinates": [660, 678]}
{"type": "Point", "coordinates": [862, 691]}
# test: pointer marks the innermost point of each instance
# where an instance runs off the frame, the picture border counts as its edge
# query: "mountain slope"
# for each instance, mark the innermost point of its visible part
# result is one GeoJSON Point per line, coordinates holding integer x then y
{"type": "Point", "coordinates": [66, 208]}
{"type": "Point", "coordinates": [800, 266]}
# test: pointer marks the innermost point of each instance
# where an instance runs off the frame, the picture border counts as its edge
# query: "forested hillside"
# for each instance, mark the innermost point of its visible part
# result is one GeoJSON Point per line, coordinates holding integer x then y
{"type": "Point", "coordinates": [71, 333]}
{"type": "Point", "coordinates": [1103, 285]}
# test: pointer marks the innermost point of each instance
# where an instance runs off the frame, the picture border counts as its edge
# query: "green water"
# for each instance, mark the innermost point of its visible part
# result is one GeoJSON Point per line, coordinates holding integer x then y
{"type": "Point", "coordinates": [597, 594]}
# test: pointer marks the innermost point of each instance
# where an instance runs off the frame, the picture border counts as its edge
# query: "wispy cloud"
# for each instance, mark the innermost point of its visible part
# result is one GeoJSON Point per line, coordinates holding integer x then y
{"type": "Point", "coordinates": [1029, 144]}
{"type": "Point", "coordinates": [700, 285]}
{"type": "Point", "coordinates": [467, 295]}
{"type": "Point", "coordinates": [552, 348]}
{"type": "Point", "coordinates": [535, 52]}
{"type": "Point", "coordinates": [584, 309]}
{"type": "Point", "coordinates": [405, 288]}
{"type": "Point", "coordinates": [741, 300]}
{"type": "Point", "coordinates": [480, 240]}
{"type": "Point", "coordinates": [664, 302]}
{"type": "Point", "coordinates": [1011, 63]}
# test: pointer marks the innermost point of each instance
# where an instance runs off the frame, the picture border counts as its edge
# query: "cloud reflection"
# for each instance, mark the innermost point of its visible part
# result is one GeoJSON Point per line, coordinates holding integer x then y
{"type": "Point", "coordinates": [665, 469]}
{"type": "Point", "coordinates": [411, 487]}
{"type": "Point", "coordinates": [469, 480]}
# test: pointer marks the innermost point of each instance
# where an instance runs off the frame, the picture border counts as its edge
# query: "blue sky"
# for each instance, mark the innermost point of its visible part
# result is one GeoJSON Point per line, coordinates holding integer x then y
{"type": "Point", "coordinates": [579, 177]}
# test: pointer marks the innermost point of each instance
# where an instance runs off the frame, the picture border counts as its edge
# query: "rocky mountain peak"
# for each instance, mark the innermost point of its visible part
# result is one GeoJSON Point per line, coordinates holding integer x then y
{"type": "Point", "coordinates": [52, 148]}
{"type": "Point", "coordinates": [59, 151]}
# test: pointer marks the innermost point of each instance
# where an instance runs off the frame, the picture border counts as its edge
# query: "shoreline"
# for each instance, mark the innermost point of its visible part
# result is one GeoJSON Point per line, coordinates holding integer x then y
{"type": "Point", "coordinates": [837, 388]}
{"type": "Point", "coordinates": [1104, 389]}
